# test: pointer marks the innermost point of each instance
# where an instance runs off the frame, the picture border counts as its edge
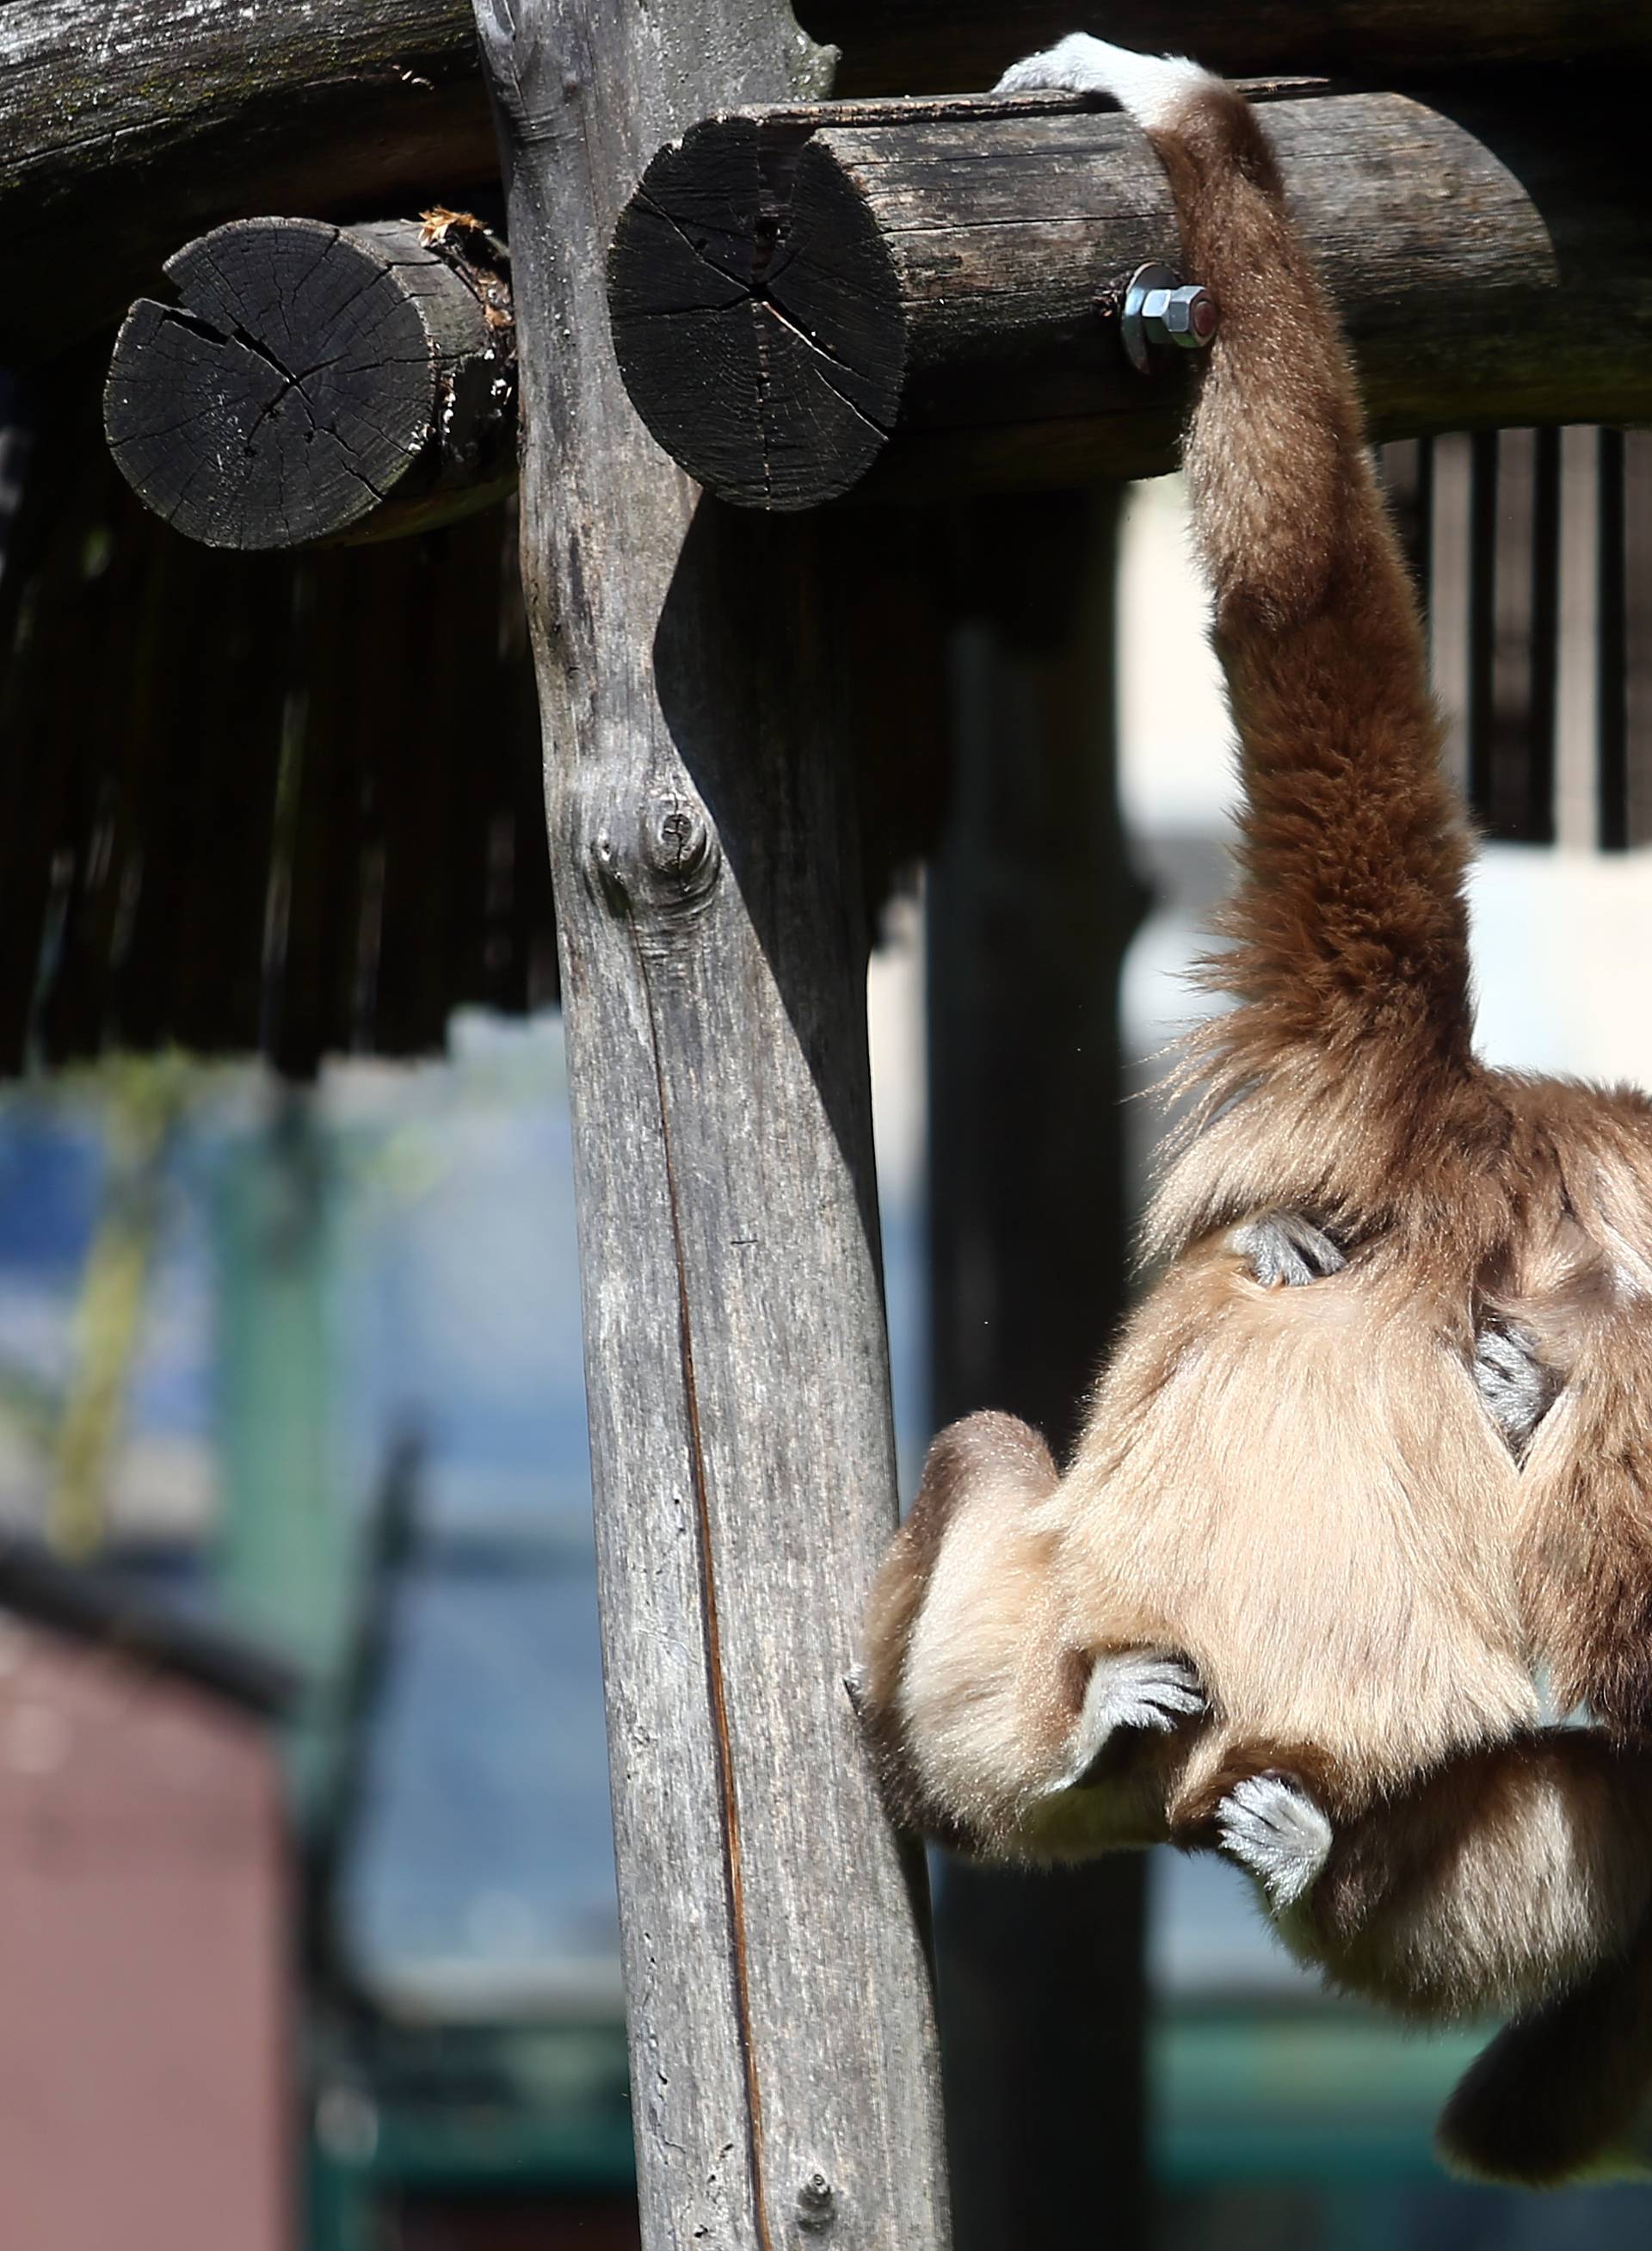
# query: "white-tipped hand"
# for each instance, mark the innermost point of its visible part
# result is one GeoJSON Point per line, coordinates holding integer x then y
{"type": "Point", "coordinates": [1149, 1690]}
{"type": "Point", "coordinates": [1278, 1833]}
{"type": "Point", "coordinates": [1150, 87]}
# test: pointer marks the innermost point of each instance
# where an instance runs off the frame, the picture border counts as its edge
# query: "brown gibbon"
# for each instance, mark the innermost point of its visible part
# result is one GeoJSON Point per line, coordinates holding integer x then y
{"type": "Point", "coordinates": [1375, 1451]}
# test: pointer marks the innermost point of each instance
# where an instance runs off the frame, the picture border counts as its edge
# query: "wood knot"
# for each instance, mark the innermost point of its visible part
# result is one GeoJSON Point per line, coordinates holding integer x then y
{"type": "Point", "coordinates": [817, 2206]}
{"type": "Point", "coordinates": [678, 842]}
{"type": "Point", "coordinates": [671, 861]}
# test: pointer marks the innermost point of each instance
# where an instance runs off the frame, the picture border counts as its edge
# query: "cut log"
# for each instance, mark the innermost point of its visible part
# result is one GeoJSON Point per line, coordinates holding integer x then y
{"type": "Point", "coordinates": [918, 297]}
{"type": "Point", "coordinates": [938, 46]}
{"type": "Point", "coordinates": [316, 381]}
{"type": "Point", "coordinates": [129, 126]}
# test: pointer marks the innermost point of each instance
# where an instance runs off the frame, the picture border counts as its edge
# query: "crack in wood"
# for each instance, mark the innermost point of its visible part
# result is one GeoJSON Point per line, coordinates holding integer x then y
{"type": "Point", "coordinates": [398, 375]}
{"type": "Point", "coordinates": [728, 1808]}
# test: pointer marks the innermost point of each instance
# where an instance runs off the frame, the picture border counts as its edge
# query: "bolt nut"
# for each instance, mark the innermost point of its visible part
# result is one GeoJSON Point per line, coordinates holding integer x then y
{"type": "Point", "coordinates": [1185, 317]}
{"type": "Point", "coordinates": [1160, 311]}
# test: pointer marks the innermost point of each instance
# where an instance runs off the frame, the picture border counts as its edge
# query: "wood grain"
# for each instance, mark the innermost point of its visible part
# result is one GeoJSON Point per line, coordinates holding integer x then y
{"type": "Point", "coordinates": [703, 853]}
{"type": "Point", "coordinates": [807, 304]}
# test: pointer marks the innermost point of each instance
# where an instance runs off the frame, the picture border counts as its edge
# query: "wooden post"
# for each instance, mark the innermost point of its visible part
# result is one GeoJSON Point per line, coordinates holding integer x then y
{"type": "Point", "coordinates": [711, 934]}
{"type": "Point", "coordinates": [318, 381]}
{"type": "Point", "coordinates": [1030, 905]}
{"type": "Point", "coordinates": [883, 297]}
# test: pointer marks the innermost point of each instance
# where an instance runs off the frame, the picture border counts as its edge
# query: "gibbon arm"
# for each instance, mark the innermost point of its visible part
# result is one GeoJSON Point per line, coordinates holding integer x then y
{"type": "Point", "coordinates": [1347, 941]}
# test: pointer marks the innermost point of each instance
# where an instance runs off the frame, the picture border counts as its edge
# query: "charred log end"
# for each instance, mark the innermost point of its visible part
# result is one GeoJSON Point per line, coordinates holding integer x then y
{"type": "Point", "coordinates": [756, 317]}
{"type": "Point", "coordinates": [314, 382]}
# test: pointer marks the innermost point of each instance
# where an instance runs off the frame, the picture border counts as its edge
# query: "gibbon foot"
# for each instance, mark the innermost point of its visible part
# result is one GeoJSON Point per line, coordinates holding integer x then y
{"type": "Point", "coordinates": [1276, 1830]}
{"type": "Point", "coordinates": [1285, 1251]}
{"type": "Point", "coordinates": [1146, 1690]}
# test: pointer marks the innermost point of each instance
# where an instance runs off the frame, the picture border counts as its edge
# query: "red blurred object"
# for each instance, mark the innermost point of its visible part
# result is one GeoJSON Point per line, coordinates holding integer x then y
{"type": "Point", "coordinates": [145, 2069]}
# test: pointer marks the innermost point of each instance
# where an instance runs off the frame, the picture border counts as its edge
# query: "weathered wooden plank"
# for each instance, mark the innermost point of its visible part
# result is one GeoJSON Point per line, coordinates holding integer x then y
{"type": "Point", "coordinates": [433, 903]}
{"type": "Point", "coordinates": [124, 128]}
{"type": "Point", "coordinates": [805, 303]}
{"type": "Point", "coordinates": [230, 815]}
{"type": "Point", "coordinates": [317, 380]}
{"type": "Point", "coordinates": [713, 984]}
{"type": "Point", "coordinates": [1030, 904]}
{"type": "Point", "coordinates": [119, 720]}
{"type": "Point", "coordinates": [1407, 469]}
{"type": "Point", "coordinates": [326, 831]}
{"type": "Point", "coordinates": [192, 971]}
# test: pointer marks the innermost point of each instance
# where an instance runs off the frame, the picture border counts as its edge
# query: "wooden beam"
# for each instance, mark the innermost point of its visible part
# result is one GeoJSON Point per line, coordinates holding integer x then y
{"type": "Point", "coordinates": [783, 2082]}
{"type": "Point", "coordinates": [127, 128]}
{"type": "Point", "coordinates": [880, 297]}
{"type": "Point", "coordinates": [940, 46]}
{"type": "Point", "coordinates": [316, 381]}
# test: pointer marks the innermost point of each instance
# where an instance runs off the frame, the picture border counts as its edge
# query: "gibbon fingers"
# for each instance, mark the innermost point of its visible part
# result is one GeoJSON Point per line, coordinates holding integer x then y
{"type": "Point", "coordinates": [1372, 1449]}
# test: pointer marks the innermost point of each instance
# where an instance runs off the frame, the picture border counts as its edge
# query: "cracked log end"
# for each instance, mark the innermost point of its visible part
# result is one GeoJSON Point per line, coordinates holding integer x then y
{"type": "Point", "coordinates": [317, 382]}
{"type": "Point", "coordinates": [757, 316]}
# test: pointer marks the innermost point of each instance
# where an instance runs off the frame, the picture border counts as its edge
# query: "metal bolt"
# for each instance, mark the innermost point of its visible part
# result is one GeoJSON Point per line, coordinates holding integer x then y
{"type": "Point", "coordinates": [1189, 315]}
{"type": "Point", "coordinates": [1161, 310]}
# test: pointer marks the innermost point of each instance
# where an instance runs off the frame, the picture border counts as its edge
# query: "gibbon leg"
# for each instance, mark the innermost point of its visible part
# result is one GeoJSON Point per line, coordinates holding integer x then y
{"type": "Point", "coordinates": [1508, 1874]}
{"type": "Point", "coordinates": [1563, 2090]}
{"type": "Point", "coordinates": [980, 1707]}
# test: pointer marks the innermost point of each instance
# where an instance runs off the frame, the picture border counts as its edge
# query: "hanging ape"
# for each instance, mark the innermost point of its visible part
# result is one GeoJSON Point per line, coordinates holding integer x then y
{"type": "Point", "coordinates": [1375, 1446]}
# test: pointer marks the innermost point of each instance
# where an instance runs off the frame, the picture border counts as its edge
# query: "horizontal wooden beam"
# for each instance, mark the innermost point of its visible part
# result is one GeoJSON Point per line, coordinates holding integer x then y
{"type": "Point", "coordinates": [957, 46]}
{"type": "Point", "coordinates": [883, 297]}
{"type": "Point", "coordinates": [317, 382]}
{"type": "Point", "coordinates": [129, 126]}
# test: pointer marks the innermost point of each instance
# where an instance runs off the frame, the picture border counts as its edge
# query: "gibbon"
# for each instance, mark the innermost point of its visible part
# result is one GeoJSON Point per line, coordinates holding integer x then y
{"type": "Point", "coordinates": [1376, 1450]}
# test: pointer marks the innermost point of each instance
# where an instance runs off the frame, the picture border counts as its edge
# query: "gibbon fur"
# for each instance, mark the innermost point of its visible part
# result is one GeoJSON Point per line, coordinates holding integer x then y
{"type": "Point", "coordinates": [1377, 1448]}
